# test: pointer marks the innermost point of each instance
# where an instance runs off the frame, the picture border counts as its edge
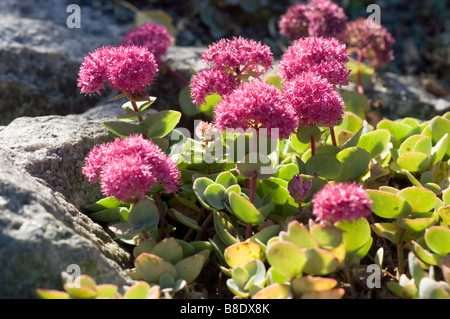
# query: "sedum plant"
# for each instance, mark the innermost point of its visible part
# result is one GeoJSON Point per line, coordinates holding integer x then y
{"type": "Point", "coordinates": [288, 189]}
{"type": "Point", "coordinates": [84, 287]}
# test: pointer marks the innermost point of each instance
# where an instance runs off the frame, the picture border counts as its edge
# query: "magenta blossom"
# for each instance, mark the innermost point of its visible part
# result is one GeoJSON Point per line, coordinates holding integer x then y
{"type": "Point", "coordinates": [152, 36]}
{"type": "Point", "coordinates": [314, 100]}
{"type": "Point", "coordinates": [340, 201]}
{"type": "Point", "coordinates": [323, 56]}
{"type": "Point", "coordinates": [239, 56]}
{"type": "Point", "coordinates": [256, 105]}
{"type": "Point", "coordinates": [209, 81]}
{"type": "Point", "coordinates": [131, 167]}
{"type": "Point", "coordinates": [127, 68]}
{"type": "Point", "coordinates": [371, 43]}
{"type": "Point", "coordinates": [318, 18]}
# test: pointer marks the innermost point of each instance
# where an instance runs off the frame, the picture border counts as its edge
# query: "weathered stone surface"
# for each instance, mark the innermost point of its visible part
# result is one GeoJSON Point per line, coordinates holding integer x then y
{"type": "Point", "coordinates": [42, 193]}
{"type": "Point", "coordinates": [407, 96]}
{"type": "Point", "coordinates": [41, 234]}
{"type": "Point", "coordinates": [41, 56]}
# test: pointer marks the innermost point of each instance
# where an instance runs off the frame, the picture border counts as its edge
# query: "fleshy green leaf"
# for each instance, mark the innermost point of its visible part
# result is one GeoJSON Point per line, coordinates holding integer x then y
{"type": "Point", "coordinates": [274, 291]}
{"type": "Point", "coordinates": [420, 199]}
{"type": "Point", "coordinates": [287, 258]}
{"type": "Point", "coordinates": [143, 214]}
{"type": "Point", "coordinates": [237, 255]}
{"type": "Point", "coordinates": [439, 126]}
{"type": "Point", "coordinates": [245, 210]}
{"type": "Point", "coordinates": [399, 131]}
{"type": "Point", "coordinates": [168, 249]}
{"type": "Point", "coordinates": [438, 239]}
{"type": "Point", "coordinates": [199, 187]}
{"type": "Point", "coordinates": [309, 283]}
{"type": "Point", "coordinates": [388, 205]}
{"type": "Point", "coordinates": [356, 103]}
{"type": "Point", "coordinates": [189, 268]}
{"type": "Point", "coordinates": [319, 262]}
{"type": "Point", "coordinates": [139, 290]}
{"type": "Point", "coordinates": [355, 162]}
{"type": "Point", "coordinates": [150, 267]}
{"type": "Point", "coordinates": [214, 194]}
{"type": "Point", "coordinates": [355, 234]}
{"type": "Point", "coordinates": [375, 142]}
{"type": "Point", "coordinates": [161, 123]}
{"type": "Point", "coordinates": [226, 179]}
{"type": "Point", "coordinates": [185, 220]}
{"type": "Point", "coordinates": [124, 129]}
{"type": "Point", "coordinates": [323, 165]}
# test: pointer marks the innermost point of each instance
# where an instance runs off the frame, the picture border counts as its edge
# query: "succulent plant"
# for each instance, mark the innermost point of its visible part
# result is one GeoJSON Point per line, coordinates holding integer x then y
{"type": "Point", "coordinates": [85, 287]}
{"type": "Point", "coordinates": [421, 285]}
{"type": "Point", "coordinates": [171, 264]}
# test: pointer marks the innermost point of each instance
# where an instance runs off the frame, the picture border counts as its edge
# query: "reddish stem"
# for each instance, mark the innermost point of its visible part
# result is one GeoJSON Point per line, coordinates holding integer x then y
{"type": "Point", "coordinates": [179, 77]}
{"type": "Point", "coordinates": [313, 145]}
{"type": "Point", "coordinates": [161, 214]}
{"type": "Point", "coordinates": [333, 136]}
{"type": "Point", "coordinates": [251, 198]}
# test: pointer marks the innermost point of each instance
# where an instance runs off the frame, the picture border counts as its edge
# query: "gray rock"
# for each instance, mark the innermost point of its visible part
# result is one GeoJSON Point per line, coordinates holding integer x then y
{"type": "Point", "coordinates": [40, 57]}
{"type": "Point", "coordinates": [405, 96]}
{"type": "Point", "coordinates": [42, 193]}
{"type": "Point", "coordinates": [41, 234]}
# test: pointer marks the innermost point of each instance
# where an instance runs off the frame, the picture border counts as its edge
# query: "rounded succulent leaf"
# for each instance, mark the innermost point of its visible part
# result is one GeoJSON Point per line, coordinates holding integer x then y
{"type": "Point", "coordinates": [388, 205]}
{"type": "Point", "coordinates": [237, 255]}
{"type": "Point", "coordinates": [414, 162]}
{"type": "Point", "coordinates": [355, 163]}
{"type": "Point", "coordinates": [189, 268]}
{"type": "Point", "coordinates": [168, 249]}
{"type": "Point", "coordinates": [139, 290]}
{"type": "Point", "coordinates": [274, 291]}
{"type": "Point", "coordinates": [287, 258]}
{"type": "Point", "coordinates": [420, 199]}
{"type": "Point", "coordinates": [355, 234]}
{"type": "Point", "coordinates": [415, 225]}
{"type": "Point", "coordinates": [244, 210]}
{"type": "Point", "coordinates": [375, 142]}
{"type": "Point", "coordinates": [319, 262]}
{"type": "Point", "coordinates": [323, 165]}
{"type": "Point", "coordinates": [143, 214]}
{"type": "Point", "coordinates": [425, 255]}
{"type": "Point", "coordinates": [150, 267]}
{"type": "Point", "coordinates": [310, 283]}
{"type": "Point", "coordinates": [214, 195]}
{"type": "Point", "coordinates": [299, 235]}
{"type": "Point", "coordinates": [438, 239]}
{"type": "Point", "coordinates": [431, 289]}
{"type": "Point", "coordinates": [226, 179]}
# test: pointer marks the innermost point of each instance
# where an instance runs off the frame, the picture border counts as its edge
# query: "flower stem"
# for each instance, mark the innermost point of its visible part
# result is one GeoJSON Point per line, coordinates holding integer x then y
{"type": "Point", "coordinates": [313, 145]}
{"type": "Point", "coordinates": [251, 198]}
{"type": "Point", "coordinates": [176, 75]}
{"type": "Point", "coordinates": [161, 214]}
{"type": "Point", "coordinates": [136, 109]}
{"type": "Point", "coordinates": [333, 136]}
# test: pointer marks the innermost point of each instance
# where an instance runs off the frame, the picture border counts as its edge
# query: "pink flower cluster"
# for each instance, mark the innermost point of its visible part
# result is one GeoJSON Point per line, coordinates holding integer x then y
{"type": "Point", "coordinates": [373, 43]}
{"type": "Point", "coordinates": [341, 201]}
{"type": "Point", "coordinates": [314, 100]}
{"type": "Point", "coordinates": [240, 55]}
{"type": "Point", "coordinates": [127, 68]}
{"type": "Point", "coordinates": [130, 167]}
{"type": "Point", "coordinates": [231, 63]}
{"type": "Point", "coordinates": [319, 18]}
{"type": "Point", "coordinates": [326, 57]}
{"type": "Point", "coordinates": [256, 105]}
{"type": "Point", "coordinates": [152, 36]}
